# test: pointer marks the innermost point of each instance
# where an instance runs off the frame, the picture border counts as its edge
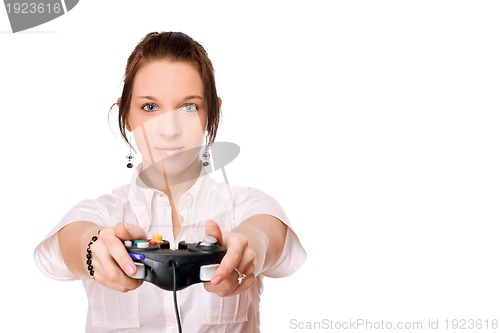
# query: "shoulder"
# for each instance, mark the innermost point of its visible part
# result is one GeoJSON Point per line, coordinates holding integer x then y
{"type": "Point", "coordinates": [239, 194]}
{"type": "Point", "coordinates": [99, 209]}
{"type": "Point", "coordinates": [120, 193]}
{"type": "Point", "coordinates": [248, 194]}
{"type": "Point", "coordinates": [114, 198]}
{"type": "Point", "coordinates": [249, 201]}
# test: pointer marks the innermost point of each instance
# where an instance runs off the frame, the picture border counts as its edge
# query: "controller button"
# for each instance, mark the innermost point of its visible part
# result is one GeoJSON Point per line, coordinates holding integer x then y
{"type": "Point", "coordinates": [182, 245]}
{"type": "Point", "coordinates": [157, 238]}
{"type": "Point", "coordinates": [128, 243]}
{"type": "Point", "coordinates": [141, 271]}
{"type": "Point", "coordinates": [152, 242]}
{"type": "Point", "coordinates": [209, 241]}
{"type": "Point", "coordinates": [136, 256]}
{"type": "Point", "coordinates": [165, 245]}
{"type": "Point", "coordinates": [143, 245]}
{"type": "Point", "coordinates": [207, 271]}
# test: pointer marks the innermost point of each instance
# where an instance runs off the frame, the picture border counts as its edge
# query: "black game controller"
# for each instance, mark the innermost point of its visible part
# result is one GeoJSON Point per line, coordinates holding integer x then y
{"type": "Point", "coordinates": [175, 269]}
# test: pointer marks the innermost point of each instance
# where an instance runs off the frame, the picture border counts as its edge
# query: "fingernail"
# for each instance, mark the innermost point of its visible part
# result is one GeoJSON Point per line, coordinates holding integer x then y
{"type": "Point", "coordinates": [216, 280]}
{"type": "Point", "coordinates": [129, 269]}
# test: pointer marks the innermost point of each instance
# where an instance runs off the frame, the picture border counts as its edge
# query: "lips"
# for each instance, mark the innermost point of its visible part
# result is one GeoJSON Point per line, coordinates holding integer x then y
{"type": "Point", "coordinates": [170, 150]}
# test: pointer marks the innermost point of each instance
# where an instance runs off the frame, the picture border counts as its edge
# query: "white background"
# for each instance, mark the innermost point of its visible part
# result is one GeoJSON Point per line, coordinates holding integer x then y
{"type": "Point", "coordinates": [374, 123]}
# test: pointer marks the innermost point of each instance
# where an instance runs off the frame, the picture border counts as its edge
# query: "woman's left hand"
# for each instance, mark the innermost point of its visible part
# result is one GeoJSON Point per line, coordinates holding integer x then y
{"type": "Point", "coordinates": [226, 280]}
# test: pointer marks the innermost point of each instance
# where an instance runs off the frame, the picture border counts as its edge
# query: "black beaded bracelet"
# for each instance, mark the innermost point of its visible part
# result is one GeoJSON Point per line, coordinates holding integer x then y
{"type": "Point", "coordinates": [89, 254]}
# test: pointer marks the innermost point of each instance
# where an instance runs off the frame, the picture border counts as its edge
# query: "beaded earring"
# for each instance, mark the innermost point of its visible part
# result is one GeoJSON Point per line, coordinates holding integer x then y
{"type": "Point", "coordinates": [206, 158]}
{"type": "Point", "coordinates": [130, 156]}
{"type": "Point", "coordinates": [206, 155]}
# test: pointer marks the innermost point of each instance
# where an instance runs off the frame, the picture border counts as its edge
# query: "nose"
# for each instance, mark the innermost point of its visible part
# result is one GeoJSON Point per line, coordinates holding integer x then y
{"type": "Point", "coordinates": [168, 124]}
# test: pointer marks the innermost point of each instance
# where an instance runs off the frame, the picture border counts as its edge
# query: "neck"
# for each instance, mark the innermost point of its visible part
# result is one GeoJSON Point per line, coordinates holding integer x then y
{"type": "Point", "coordinates": [174, 185]}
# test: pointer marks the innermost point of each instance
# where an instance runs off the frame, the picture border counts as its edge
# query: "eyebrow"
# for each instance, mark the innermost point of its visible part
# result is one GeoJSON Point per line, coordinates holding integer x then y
{"type": "Point", "coordinates": [187, 98]}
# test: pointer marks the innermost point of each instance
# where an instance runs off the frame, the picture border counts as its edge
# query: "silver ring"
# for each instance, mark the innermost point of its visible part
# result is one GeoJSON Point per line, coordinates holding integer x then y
{"type": "Point", "coordinates": [241, 276]}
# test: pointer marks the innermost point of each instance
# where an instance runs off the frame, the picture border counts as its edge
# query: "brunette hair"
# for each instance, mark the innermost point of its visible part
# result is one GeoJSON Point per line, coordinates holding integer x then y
{"type": "Point", "coordinates": [174, 46]}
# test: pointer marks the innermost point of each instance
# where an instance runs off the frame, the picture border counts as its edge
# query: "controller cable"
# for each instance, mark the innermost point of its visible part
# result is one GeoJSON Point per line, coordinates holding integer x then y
{"type": "Point", "coordinates": [175, 299]}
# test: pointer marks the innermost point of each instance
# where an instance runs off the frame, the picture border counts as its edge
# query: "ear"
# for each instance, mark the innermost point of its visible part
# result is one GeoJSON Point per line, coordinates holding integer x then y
{"type": "Point", "coordinates": [118, 101]}
{"type": "Point", "coordinates": [220, 101]}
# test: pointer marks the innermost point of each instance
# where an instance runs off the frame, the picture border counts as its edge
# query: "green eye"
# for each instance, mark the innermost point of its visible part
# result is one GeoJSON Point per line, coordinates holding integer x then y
{"type": "Point", "coordinates": [149, 108]}
{"type": "Point", "coordinates": [189, 107]}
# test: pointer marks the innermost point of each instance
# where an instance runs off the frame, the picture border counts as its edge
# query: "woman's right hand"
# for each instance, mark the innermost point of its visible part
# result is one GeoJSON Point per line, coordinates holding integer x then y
{"type": "Point", "coordinates": [112, 264]}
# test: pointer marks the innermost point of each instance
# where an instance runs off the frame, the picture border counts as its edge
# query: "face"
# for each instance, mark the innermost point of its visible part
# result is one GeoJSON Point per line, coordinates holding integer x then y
{"type": "Point", "coordinates": [168, 117]}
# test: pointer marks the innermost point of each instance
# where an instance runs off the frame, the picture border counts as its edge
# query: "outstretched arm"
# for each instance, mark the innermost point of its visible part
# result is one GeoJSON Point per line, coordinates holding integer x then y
{"type": "Point", "coordinates": [109, 257]}
{"type": "Point", "coordinates": [253, 247]}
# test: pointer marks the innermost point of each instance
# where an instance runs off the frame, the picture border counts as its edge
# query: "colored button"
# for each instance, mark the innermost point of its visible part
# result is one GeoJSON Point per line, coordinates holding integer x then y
{"type": "Point", "coordinates": [157, 238]}
{"type": "Point", "coordinates": [143, 245]}
{"type": "Point", "coordinates": [128, 243]}
{"type": "Point", "coordinates": [136, 256]}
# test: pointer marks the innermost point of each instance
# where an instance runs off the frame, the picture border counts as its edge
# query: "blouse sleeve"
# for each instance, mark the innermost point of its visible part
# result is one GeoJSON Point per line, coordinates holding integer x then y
{"type": "Point", "coordinates": [251, 202]}
{"type": "Point", "coordinates": [47, 254]}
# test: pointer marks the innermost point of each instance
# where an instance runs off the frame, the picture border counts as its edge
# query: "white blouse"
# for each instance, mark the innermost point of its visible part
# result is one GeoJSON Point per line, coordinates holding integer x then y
{"type": "Point", "coordinates": [149, 308]}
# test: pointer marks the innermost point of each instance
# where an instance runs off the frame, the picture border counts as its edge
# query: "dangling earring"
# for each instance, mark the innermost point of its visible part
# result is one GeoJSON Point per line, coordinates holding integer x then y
{"type": "Point", "coordinates": [130, 156]}
{"type": "Point", "coordinates": [206, 154]}
{"type": "Point", "coordinates": [206, 158]}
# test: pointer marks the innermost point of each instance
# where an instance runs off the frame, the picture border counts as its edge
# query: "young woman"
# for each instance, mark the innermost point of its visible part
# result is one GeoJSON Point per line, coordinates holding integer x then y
{"type": "Point", "coordinates": [169, 104]}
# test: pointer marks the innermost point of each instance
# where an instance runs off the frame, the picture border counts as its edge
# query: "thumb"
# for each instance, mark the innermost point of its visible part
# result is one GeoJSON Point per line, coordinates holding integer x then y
{"type": "Point", "coordinates": [129, 232]}
{"type": "Point", "coordinates": [213, 229]}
